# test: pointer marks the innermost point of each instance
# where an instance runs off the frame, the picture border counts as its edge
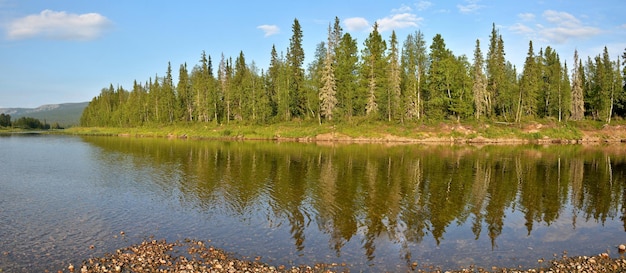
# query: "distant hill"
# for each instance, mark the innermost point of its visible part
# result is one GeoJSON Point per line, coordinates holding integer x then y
{"type": "Point", "coordinates": [65, 114]}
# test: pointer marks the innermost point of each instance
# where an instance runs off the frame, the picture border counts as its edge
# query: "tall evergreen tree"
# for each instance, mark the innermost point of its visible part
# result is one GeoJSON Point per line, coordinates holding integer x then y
{"type": "Point", "coordinates": [511, 94]}
{"type": "Point", "coordinates": [198, 86]}
{"type": "Point", "coordinates": [283, 106]}
{"type": "Point", "coordinates": [169, 96]}
{"type": "Point", "coordinates": [185, 94]}
{"type": "Point", "coordinates": [564, 95]}
{"type": "Point", "coordinates": [255, 94]}
{"type": "Point", "coordinates": [264, 108]}
{"type": "Point", "coordinates": [314, 79]}
{"type": "Point", "coordinates": [273, 80]}
{"type": "Point", "coordinates": [349, 101]}
{"type": "Point", "coordinates": [551, 76]}
{"type": "Point", "coordinates": [620, 98]}
{"type": "Point", "coordinates": [578, 104]}
{"type": "Point", "coordinates": [460, 97]}
{"type": "Point", "coordinates": [135, 108]}
{"type": "Point", "coordinates": [414, 66]}
{"type": "Point", "coordinates": [394, 108]}
{"type": "Point", "coordinates": [240, 99]}
{"type": "Point", "coordinates": [605, 87]}
{"type": "Point", "coordinates": [529, 86]}
{"type": "Point", "coordinates": [495, 71]}
{"type": "Point", "coordinates": [295, 60]}
{"type": "Point", "coordinates": [225, 77]}
{"type": "Point", "coordinates": [335, 38]}
{"type": "Point", "coordinates": [328, 92]}
{"type": "Point", "coordinates": [616, 87]}
{"type": "Point", "coordinates": [439, 78]}
{"type": "Point", "coordinates": [373, 70]}
{"type": "Point", "coordinates": [479, 87]}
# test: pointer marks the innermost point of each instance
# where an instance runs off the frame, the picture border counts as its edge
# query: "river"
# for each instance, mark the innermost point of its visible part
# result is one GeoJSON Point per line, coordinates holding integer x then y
{"type": "Point", "coordinates": [374, 207]}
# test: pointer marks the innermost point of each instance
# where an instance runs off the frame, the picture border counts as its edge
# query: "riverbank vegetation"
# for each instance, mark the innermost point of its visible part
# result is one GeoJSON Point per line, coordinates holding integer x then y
{"type": "Point", "coordinates": [385, 87]}
{"type": "Point", "coordinates": [380, 131]}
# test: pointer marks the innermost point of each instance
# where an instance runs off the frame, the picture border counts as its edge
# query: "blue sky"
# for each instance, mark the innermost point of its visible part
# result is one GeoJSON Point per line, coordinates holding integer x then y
{"type": "Point", "coordinates": [67, 50]}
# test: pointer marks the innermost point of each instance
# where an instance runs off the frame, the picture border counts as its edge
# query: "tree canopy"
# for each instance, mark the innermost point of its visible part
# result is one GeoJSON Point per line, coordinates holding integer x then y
{"type": "Point", "coordinates": [387, 79]}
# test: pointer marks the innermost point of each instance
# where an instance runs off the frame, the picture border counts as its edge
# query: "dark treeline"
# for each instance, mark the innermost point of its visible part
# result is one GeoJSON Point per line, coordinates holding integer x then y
{"type": "Point", "coordinates": [26, 123]}
{"type": "Point", "coordinates": [5, 120]}
{"type": "Point", "coordinates": [385, 80]}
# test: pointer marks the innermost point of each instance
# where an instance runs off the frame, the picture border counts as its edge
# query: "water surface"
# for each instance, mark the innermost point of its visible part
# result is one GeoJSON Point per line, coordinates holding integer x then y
{"type": "Point", "coordinates": [374, 207]}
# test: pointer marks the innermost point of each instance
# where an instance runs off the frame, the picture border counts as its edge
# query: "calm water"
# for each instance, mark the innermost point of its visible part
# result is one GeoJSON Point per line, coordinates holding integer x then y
{"type": "Point", "coordinates": [374, 207]}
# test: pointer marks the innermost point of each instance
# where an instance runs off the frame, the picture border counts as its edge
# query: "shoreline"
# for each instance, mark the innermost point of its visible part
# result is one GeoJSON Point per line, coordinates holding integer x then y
{"type": "Point", "coordinates": [447, 132]}
{"type": "Point", "coordinates": [198, 256]}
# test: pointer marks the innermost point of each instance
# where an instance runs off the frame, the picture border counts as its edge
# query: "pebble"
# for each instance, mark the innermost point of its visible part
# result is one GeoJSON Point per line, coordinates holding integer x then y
{"type": "Point", "coordinates": [159, 256]}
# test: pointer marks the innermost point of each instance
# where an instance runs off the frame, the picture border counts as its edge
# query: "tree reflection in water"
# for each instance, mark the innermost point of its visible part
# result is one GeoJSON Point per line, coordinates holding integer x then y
{"type": "Point", "coordinates": [403, 194]}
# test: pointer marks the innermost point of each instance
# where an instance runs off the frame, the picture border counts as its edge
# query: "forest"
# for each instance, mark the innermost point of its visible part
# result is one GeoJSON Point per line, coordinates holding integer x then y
{"type": "Point", "coordinates": [384, 80]}
{"type": "Point", "coordinates": [25, 123]}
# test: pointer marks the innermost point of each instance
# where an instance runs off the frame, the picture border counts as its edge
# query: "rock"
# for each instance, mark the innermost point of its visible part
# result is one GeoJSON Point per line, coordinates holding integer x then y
{"type": "Point", "coordinates": [159, 256]}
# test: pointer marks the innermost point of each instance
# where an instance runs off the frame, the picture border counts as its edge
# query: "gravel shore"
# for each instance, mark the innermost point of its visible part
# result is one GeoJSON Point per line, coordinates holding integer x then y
{"type": "Point", "coordinates": [196, 256]}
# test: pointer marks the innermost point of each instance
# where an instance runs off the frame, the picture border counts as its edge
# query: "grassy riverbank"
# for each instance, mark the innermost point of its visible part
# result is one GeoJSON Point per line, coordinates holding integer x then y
{"type": "Point", "coordinates": [368, 131]}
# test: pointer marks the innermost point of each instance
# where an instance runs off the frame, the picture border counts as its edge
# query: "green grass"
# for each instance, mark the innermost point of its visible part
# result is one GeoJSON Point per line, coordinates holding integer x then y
{"type": "Point", "coordinates": [361, 128]}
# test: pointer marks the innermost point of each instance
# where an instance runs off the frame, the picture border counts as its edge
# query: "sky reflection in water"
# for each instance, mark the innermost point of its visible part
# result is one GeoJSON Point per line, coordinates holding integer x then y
{"type": "Point", "coordinates": [375, 207]}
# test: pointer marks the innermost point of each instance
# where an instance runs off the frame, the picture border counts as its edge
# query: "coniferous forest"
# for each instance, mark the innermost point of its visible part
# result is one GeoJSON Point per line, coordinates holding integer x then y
{"type": "Point", "coordinates": [386, 79]}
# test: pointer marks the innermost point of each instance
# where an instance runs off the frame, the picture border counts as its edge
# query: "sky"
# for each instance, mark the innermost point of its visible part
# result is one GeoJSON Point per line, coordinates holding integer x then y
{"type": "Point", "coordinates": [67, 51]}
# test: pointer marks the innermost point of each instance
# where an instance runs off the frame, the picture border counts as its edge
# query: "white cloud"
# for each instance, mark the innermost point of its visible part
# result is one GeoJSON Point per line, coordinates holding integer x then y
{"type": "Point", "coordinates": [562, 34]}
{"type": "Point", "coordinates": [526, 16]}
{"type": "Point", "coordinates": [558, 27]}
{"type": "Point", "coordinates": [566, 26]}
{"type": "Point", "coordinates": [423, 4]}
{"type": "Point", "coordinates": [471, 7]}
{"type": "Point", "coordinates": [397, 21]}
{"type": "Point", "coordinates": [521, 29]}
{"type": "Point", "coordinates": [58, 25]}
{"type": "Point", "coordinates": [269, 29]}
{"type": "Point", "coordinates": [561, 18]}
{"type": "Point", "coordinates": [356, 24]}
{"type": "Point", "coordinates": [402, 9]}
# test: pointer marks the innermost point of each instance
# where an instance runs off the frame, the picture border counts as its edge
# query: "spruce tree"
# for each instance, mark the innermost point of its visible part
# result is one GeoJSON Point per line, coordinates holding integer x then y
{"type": "Point", "coordinates": [529, 86]}
{"type": "Point", "coordinates": [373, 70]}
{"type": "Point", "coordinates": [495, 71]}
{"type": "Point", "coordinates": [349, 101]}
{"type": "Point", "coordinates": [394, 109]}
{"type": "Point", "coordinates": [578, 104]}
{"type": "Point", "coordinates": [185, 95]}
{"type": "Point", "coordinates": [620, 97]}
{"type": "Point", "coordinates": [225, 77]}
{"type": "Point", "coordinates": [295, 59]}
{"type": "Point", "coordinates": [606, 83]}
{"type": "Point", "coordinates": [240, 89]}
{"type": "Point", "coordinates": [170, 108]}
{"type": "Point", "coordinates": [439, 81]}
{"type": "Point", "coordinates": [459, 91]}
{"type": "Point", "coordinates": [328, 92]}
{"type": "Point", "coordinates": [551, 76]}
{"type": "Point", "coordinates": [314, 80]}
{"type": "Point", "coordinates": [565, 95]}
{"type": "Point", "coordinates": [273, 81]}
{"type": "Point", "coordinates": [479, 87]}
